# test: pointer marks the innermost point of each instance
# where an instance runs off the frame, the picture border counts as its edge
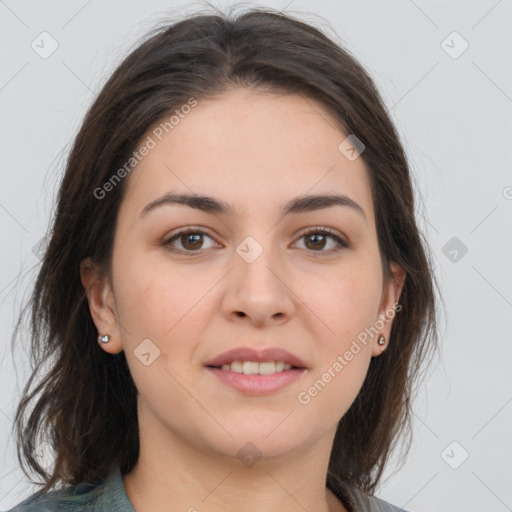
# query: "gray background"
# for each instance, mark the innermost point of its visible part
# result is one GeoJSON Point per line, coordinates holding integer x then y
{"type": "Point", "coordinates": [453, 110]}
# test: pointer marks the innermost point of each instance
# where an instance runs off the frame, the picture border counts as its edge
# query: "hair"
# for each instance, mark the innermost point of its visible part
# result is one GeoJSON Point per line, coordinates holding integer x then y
{"type": "Point", "coordinates": [85, 405]}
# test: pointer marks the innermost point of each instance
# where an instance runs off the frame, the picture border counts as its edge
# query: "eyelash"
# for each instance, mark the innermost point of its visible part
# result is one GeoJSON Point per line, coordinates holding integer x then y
{"type": "Point", "coordinates": [321, 231]}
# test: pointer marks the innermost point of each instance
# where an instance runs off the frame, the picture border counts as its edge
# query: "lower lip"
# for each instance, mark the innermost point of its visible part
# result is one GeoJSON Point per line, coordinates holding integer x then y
{"type": "Point", "coordinates": [257, 385]}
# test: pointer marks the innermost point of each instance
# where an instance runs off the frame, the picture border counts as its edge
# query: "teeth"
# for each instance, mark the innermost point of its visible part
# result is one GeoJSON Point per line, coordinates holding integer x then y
{"type": "Point", "coordinates": [236, 366]}
{"type": "Point", "coordinates": [250, 368]}
{"type": "Point", "coordinates": [266, 368]}
{"type": "Point", "coordinates": [255, 368]}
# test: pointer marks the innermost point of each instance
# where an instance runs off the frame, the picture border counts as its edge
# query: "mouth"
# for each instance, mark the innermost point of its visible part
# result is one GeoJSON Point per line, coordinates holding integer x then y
{"type": "Point", "coordinates": [257, 368]}
{"type": "Point", "coordinates": [250, 361]}
{"type": "Point", "coordinates": [257, 373]}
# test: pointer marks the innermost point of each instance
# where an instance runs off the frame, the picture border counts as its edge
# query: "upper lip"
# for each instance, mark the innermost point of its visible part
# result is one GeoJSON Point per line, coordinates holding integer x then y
{"type": "Point", "coordinates": [251, 354]}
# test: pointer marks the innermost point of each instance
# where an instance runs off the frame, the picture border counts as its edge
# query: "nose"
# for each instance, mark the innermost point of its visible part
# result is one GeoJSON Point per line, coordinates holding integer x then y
{"type": "Point", "coordinates": [258, 291]}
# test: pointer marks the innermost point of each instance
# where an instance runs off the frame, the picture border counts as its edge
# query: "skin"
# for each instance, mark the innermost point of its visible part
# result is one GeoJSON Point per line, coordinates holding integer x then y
{"type": "Point", "coordinates": [305, 298]}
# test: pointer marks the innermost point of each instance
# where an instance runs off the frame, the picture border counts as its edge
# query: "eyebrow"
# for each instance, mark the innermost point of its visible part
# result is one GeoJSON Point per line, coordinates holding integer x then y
{"type": "Point", "coordinates": [300, 204]}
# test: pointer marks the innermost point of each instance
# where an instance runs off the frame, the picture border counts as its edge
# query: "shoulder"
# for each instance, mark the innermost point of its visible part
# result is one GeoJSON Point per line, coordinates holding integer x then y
{"type": "Point", "coordinates": [377, 505]}
{"type": "Point", "coordinates": [361, 502]}
{"type": "Point", "coordinates": [82, 497]}
{"type": "Point", "coordinates": [87, 497]}
{"type": "Point", "coordinates": [55, 500]}
{"type": "Point", "coordinates": [358, 501]}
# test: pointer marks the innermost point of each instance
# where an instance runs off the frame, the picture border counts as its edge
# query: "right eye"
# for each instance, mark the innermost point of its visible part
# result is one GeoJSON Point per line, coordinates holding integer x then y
{"type": "Point", "coordinates": [190, 239]}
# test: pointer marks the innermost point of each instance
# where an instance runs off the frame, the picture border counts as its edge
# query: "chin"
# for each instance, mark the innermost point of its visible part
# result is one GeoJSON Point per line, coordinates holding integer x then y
{"type": "Point", "coordinates": [260, 440]}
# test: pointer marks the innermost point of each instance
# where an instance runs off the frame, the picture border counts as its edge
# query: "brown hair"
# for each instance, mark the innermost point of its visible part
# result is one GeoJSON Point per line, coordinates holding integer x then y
{"type": "Point", "coordinates": [85, 404]}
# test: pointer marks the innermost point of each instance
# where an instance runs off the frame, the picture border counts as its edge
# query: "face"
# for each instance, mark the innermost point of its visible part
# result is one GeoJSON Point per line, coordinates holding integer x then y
{"type": "Point", "coordinates": [295, 283]}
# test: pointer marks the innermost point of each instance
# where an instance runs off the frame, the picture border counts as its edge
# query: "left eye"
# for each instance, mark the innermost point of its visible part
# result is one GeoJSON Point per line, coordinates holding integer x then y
{"type": "Point", "coordinates": [191, 240]}
{"type": "Point", "coordinates": [317, 239]}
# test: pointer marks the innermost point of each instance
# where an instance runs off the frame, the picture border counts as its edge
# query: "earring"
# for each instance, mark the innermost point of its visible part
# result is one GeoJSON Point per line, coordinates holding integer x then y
{"type": "Point", "coordinates": [104, 338]}
{"type": "Point", "coordinates": [382, 340]}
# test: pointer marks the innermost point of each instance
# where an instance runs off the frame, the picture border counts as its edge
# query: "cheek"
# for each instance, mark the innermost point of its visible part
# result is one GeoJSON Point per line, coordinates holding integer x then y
{"type": "Point", "coordinates": [148, 298]}
{"type": "Point", "coordinates": [143, 303]}
{"type": "Point", "coordinates": [158, 334]}
{"type": "Point", "coordinates": [160, 304]}
{"type": "Point", "coordinates": [346, 304]}
{"type": "Point", "coordinates": [342, 358]}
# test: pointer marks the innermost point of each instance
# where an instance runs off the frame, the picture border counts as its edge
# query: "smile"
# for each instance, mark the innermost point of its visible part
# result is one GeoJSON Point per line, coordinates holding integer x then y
{"type": "Point", "coordinates": [256, 368]}
{"type": "Point", "coordinates": [256, 382]}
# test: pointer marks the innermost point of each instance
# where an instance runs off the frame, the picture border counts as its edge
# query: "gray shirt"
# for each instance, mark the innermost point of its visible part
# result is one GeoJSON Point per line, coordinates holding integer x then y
{"type": "Point", "coordinates": [110, 496]}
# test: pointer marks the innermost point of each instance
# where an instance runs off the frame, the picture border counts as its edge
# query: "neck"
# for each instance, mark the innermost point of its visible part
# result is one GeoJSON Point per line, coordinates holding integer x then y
{"type": "Point", "coordinates": [173, 472]}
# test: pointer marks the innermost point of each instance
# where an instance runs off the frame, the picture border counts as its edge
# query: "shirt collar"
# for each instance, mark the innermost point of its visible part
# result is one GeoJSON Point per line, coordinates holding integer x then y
{"type": "Point", "coordinates": [113, 496]}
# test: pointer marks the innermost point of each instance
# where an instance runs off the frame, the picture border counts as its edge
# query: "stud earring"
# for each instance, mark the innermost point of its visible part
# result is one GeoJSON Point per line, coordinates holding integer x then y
{"type": "Point", "coordinates": [382, 340]}
{"type": "Point", "coordinates": [104, 338]}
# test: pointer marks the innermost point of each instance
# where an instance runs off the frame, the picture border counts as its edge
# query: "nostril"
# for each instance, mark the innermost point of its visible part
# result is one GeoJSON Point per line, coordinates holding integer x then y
{"type": "Point", "coordinates": [240, 313]}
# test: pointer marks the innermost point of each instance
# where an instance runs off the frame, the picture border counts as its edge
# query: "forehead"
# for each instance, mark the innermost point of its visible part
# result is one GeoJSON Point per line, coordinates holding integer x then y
{"type": "Point", "coordinates": [254, 150]}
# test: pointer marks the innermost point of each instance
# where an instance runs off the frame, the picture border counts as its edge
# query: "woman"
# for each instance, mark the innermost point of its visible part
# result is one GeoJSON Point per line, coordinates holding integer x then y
{"type": "Point", "coordinates": [235, 298]}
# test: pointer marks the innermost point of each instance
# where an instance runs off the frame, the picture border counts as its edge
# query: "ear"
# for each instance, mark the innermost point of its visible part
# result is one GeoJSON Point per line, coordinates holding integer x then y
{"type": "Point", "coordinates": [389, 306]}
{"type": "Point", "coordinates": [101, 305]}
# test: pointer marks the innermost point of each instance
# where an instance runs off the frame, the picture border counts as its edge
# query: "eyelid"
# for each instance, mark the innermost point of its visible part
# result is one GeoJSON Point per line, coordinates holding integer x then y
{"type": "Point", "coordinates": [184, 231]}
{"type": "Point", "coordinates": [323, 230]}
{"type": "Point", "coordinates": [341, 243]}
